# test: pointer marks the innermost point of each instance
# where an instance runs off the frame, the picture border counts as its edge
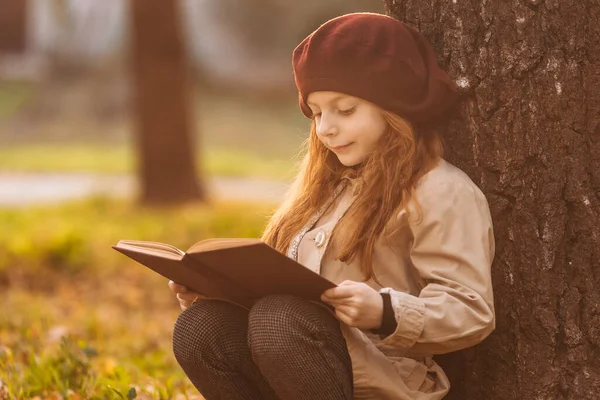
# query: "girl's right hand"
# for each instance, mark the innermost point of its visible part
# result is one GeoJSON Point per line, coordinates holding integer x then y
{"type": "Point", "coordinates": [185, 296]}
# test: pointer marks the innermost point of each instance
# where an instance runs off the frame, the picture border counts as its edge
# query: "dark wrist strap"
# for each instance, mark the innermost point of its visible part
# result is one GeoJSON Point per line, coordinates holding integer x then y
{"type": "Point", "coordinates": [388, 321]}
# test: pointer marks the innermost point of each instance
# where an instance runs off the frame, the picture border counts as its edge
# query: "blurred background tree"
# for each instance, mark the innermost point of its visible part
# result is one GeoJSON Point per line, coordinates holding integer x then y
{"type": "Point", "coordinates": [13, 26]}
{"type": "Point", "coordinates": [167, 168]}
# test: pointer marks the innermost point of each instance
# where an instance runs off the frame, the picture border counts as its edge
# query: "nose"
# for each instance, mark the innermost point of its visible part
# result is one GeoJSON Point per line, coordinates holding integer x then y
{"type": "Point", "coordinates": [326, 126]}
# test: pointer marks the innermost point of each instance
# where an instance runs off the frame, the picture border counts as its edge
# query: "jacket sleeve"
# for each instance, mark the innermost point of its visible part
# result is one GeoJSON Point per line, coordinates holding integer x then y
{"type": "Point", "coordinates": [452, 251]}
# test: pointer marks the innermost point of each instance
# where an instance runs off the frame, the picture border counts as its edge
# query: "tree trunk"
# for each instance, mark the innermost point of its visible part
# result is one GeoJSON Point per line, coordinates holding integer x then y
{"type": "Point", "coordinates": [13, 26]}
{"type": "Point", "coordinates": [162, 104]}
{"type": "Point", "coordinates": [529, 135]}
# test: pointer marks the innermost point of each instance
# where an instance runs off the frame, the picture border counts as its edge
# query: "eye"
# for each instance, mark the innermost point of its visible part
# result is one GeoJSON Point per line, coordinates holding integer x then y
{"type": "Point", "coordinates": [347, 111]}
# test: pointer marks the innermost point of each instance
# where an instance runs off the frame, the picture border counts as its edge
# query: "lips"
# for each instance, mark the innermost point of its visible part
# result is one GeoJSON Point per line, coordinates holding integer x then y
{"type": "Point", "coordinates": [337, 148]}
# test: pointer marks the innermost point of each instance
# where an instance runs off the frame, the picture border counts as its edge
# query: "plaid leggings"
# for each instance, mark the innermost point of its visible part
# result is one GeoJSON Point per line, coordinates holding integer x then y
{"type": "Point", "coordinates": [284, 348]}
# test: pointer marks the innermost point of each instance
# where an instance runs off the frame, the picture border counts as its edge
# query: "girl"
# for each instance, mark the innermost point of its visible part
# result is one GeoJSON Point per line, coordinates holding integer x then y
{"type": "Point", "coordinates": [407, 236]}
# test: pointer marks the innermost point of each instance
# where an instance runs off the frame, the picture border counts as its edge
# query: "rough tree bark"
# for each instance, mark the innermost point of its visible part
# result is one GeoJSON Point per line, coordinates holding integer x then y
{"type": "Point", "coordinates": [13, 26]}
{"type": "Point", "coordinates": [529, 135]}
{"type": "Point", "coordinates": [162, 104]}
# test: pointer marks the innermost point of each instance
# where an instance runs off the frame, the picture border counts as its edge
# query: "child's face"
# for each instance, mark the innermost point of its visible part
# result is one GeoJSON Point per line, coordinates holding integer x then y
{"type": "Point", "coordinates": [348, 126]}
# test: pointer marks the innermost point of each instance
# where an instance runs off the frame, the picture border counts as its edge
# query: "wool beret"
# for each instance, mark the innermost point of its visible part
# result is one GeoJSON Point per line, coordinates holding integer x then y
{"type": "Point", "coordinates": [379, 59]}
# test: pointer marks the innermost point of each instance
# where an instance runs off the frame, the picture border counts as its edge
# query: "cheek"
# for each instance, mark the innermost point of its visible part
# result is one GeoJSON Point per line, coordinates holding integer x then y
{"type": "Point", "coordinates": [370, 138]}
{"type": "Point", "coordinates": [378, 131]}
{"type": "Point", "coordinates": [368, 129]}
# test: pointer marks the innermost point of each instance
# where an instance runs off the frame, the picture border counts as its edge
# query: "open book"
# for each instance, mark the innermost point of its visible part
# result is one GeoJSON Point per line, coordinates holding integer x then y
{"type": "Point", "coordinates": [238, 270]}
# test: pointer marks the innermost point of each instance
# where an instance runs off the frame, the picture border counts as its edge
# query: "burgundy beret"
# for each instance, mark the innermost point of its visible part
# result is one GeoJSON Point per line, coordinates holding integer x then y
{"type": "Point", "coordinates": [379, 59]}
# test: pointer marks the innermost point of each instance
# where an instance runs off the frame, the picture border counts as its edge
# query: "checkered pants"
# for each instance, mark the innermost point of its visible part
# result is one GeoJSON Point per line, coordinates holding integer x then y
{"type": "Point", "coordinates": [284, 348]}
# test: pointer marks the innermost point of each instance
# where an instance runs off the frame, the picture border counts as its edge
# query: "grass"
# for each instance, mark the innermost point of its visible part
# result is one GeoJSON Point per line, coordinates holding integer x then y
{"type": "Point", "coordinates": [120, 158]}
{"type": "Point", "coordinates": [81, 321]}
{"type": "Point", "coordinates": [12, 96]}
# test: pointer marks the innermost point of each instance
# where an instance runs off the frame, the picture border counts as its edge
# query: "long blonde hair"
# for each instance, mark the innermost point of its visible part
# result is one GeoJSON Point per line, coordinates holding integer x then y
{"type": "Point", "coordinates": [385, 184]}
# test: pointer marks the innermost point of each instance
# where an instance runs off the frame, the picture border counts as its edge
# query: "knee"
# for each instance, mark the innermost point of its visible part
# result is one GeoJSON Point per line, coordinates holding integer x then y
{"type": "Point", "coordinates": [275, 320]}
{"type": "Point", "coordinates": [277, 311]}
{"type": "Point", "coordinates": [201, 330]}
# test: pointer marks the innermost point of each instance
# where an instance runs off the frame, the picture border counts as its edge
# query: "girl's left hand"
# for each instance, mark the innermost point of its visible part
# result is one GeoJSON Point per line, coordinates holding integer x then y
{"type": "Point", "coordinates": [356, 304]}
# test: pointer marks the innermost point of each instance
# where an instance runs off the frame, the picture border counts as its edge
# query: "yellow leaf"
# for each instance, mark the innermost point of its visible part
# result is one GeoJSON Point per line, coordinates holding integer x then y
{"type": "Point", "coordinates": [108, 365]}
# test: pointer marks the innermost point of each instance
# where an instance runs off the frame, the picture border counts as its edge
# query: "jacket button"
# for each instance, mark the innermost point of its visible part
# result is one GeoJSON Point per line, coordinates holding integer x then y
{"type": "Point", "coordinates": [320, 239]}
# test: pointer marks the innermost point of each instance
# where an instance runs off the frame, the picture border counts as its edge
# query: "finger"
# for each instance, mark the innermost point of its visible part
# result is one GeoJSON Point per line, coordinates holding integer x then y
{"type": "Point", "coordinates": [343, 317]}
{"type": "Point", "coordinates": [177, 288]}
{"type": "Point", "coordinates": [337, 302]}
{"type": "Point", "coordinates": [348, 283]}
{"type": "Point", "coordinates": [349, 311]}
{"type": "Point", "coordinates": [326, 300]}
{"type": "Point", "coordinates": [187, 297]}
{"type": "Point", "coordinates": [340, 292]}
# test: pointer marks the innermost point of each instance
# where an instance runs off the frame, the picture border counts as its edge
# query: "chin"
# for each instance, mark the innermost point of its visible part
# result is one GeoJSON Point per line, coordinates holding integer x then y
{"type": "Point", "coordinates": [349, 162]}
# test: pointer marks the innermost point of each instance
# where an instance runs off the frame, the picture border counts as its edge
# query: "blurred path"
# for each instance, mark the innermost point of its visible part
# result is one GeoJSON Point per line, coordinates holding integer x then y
{"type": "Point", "coordinates": [20, 189]}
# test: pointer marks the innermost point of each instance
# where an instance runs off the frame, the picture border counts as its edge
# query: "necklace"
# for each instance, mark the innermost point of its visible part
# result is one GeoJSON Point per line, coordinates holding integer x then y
{"type": "Point", "coordinates": [293, 248]}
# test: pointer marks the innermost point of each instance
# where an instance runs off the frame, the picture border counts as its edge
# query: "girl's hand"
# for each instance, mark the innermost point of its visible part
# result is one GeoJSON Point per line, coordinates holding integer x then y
{"type": "Point", "coordinates": [356, 304]}
{"type": "Point", "coordinates": [186, 297]}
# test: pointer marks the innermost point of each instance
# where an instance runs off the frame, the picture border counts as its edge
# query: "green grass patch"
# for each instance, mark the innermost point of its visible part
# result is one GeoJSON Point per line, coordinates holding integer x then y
{"type": "Point", "coordinates": [12, 96]}
{"type": "Point", "coordinates": [81, 321]}
{"type": "Point", "coordinates": [121, 158]}
{"type": "Point", "coordinates": [77, 236]}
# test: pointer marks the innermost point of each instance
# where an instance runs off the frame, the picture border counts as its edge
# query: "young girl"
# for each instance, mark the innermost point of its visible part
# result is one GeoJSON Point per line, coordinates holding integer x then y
{"type": "Point", "coordinates": [407, 236]}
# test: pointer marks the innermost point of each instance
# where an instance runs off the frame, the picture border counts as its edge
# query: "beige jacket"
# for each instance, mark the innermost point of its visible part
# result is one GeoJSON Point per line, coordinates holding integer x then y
{"type": "Point", "coordinates": [437, 271]}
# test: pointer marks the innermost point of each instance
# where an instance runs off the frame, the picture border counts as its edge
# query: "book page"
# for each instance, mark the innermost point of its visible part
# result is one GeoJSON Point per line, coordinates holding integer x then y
{"type": "Point", "coordinates": [159, 249]}
{"type": "Point", "coordinates": [221, 243]}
